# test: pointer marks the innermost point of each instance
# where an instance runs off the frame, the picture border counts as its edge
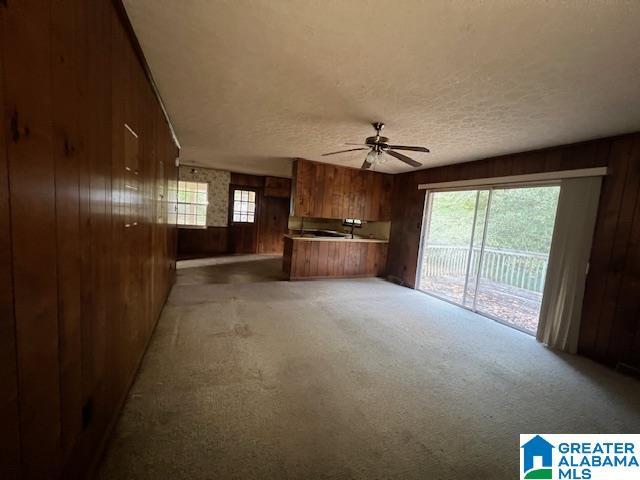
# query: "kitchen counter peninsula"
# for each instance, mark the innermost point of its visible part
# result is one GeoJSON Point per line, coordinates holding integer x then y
{"type": "Point", "coordinates": [307, 257]}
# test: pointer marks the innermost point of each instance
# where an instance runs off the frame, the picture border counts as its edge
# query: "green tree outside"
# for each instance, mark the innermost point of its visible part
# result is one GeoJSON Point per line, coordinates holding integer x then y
{"type": "Point", "coordinates": [519, 218]}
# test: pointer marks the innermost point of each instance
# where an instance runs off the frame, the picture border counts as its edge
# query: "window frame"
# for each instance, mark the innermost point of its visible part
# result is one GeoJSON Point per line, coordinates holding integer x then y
{"type": "Point", "coordinates": [243, 188]}
{"type": "Point", "coordinates": [176, 204]}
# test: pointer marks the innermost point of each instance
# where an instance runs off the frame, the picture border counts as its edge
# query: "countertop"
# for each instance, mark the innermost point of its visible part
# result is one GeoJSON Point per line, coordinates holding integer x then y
{"type": "Point", "coordinates": [334, 239]}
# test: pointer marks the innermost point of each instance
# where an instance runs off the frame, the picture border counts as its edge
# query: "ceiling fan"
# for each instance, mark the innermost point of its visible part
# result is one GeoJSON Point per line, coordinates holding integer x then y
{"type": "Point", "coordinates": [378, 145]}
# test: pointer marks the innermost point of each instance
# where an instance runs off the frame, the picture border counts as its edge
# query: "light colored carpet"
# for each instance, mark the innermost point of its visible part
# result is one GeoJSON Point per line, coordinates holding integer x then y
{"type": "Point", "coordinates": [347, 379]}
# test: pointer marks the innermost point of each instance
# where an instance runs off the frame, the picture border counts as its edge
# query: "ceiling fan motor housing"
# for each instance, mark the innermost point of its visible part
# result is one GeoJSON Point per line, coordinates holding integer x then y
{"type": "Point", "coordinates": [372, 140]}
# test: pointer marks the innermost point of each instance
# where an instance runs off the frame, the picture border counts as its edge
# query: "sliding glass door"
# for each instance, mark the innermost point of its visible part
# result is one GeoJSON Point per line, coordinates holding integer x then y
{"type": "Point", "coordinates": [450, 232]}
{"type": "Point", "coordinates": [487, 250]}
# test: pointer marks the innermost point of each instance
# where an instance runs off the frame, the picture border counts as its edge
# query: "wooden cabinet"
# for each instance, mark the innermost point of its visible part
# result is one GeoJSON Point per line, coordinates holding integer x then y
{"type": "Point", "coordinates": [277, 187]}
{"type": "Point", "coordinates": [327, 191]}
{"type": "Point", "coordinates": [323, 258]}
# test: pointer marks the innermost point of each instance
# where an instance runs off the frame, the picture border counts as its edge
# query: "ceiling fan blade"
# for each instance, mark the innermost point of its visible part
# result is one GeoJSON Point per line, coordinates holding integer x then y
{"type": "Point", "coordinates": [366, 165]}
{"type": "Point", "coordinates": [403, 158]}
{"type": "Point", "coordinates": [413, 149]}
{"type": "Point", "coordinates": [343, 151]}
{"type": "Point", "coordinates": [359, 144]}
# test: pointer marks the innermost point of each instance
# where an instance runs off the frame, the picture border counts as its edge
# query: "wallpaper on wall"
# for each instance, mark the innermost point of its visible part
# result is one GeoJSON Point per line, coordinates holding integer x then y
{"type": "Point", "coordinates": [218, 180]}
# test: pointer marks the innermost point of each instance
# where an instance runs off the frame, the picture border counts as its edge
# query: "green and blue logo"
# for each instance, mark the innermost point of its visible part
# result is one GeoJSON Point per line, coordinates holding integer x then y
{"type": "Point", "coordinates": [536, 459]}
{"type": "Point", "coordinates": [579, 456]}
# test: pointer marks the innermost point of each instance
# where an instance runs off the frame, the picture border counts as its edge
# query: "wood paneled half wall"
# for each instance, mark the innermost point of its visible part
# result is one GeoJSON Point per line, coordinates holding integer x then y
{"type": "Point", "coordinates": [86, 255]}
{"type": "Point", "coordinates": [610, 326]}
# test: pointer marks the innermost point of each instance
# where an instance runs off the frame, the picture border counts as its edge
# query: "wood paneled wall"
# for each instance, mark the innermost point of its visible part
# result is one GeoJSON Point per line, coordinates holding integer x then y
{"type": "Point", "coordinates": [273, 223]}
{"type": "Point", "coordinates": [205, 241]}
{"type": "Point", "coordinates": [277, 187]}
{"type": "Point", "coordinates": [321, 190]}
{"type": "Point", "coordinates": [331, 259]}
{"type": "Point", "coordinates": [86, 255]}
{"type": "Point", "coordinates": [610, 328]}
{"type": "Point", "coordinates": [9, 419]}
{"type": "Point", "coordinates": [263, 236]}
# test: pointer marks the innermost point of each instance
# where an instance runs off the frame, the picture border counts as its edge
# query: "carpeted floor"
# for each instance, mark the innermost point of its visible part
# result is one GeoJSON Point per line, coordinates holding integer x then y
{"type": "Point", "coordinates": [345, 379]}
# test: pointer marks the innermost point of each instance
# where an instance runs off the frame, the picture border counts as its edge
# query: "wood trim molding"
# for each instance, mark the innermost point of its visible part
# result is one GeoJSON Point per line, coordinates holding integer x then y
{"type": "Point", "coordinates": [516, 179]}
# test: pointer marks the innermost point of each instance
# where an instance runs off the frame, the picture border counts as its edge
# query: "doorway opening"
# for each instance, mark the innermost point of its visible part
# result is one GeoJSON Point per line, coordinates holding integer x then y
{"type": "Point", "coordinates": [487, 250]}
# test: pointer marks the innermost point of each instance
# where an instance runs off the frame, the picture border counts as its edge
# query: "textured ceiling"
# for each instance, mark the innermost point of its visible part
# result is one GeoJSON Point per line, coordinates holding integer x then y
{"type": "Point", "coordinates": [250, 84]}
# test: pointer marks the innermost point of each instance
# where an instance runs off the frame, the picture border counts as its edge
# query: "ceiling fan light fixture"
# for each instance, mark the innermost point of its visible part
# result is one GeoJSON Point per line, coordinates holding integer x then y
{"type": "Point", "coordinates": [379, 149]}
{"type": "Point", "coordinates": [375, 157]}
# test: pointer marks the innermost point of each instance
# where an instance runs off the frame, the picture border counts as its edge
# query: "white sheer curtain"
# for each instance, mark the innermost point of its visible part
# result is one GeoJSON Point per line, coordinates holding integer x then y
{"type": "Point", "coordinates": [568, 262]}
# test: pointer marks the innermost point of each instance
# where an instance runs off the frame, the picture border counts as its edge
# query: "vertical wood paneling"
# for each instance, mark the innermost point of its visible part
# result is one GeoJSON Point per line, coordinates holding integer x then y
{"type": "Point", "coordinates": [87, 292]}
{"type": "Point", "coordinates": [272, 221]}
{"type": "Point", "coordinates": [302, 201]}
{"type": "Point", "coordinates": [381, 261]}
{"type": "Point", "coordinates": [346, 194]}
{"type": "Point", "coordinates": [361, 194]}
{"type": "Point", "coordinates": [625, 327]}
{"type": "Point", "coordinates": [32, 187]}
{"type": "Point", "coordinates": [611, 198]}
{"type": "Point", "coordinates": [9, 414]}
{"type": "Point", "coordinates": [119, 79]}
{"type": "Point", "coordinates": [300, 258]}
{"type": "Point", "coordinates": [288, 257]}
{"type": "Point", "coordinates": [622, 151]}
{"type": "Point", "coordinates": [277, 187]}
{"type": "Point", "coordinates": [610, 325]}
{"type": "Point", "coordinates": [385, 197]}
{"type": "Point", "coordinates": [67, 77]}
{"type": "Point", "coordinates": [337, 191]}
{"type": "Point", "coordinates": [332, 262]}
{"type": "Point", "coordinates": [314, 249]}
{"type": "Point", "coordinates": [611, 320]}
{"type": "Point", "coordinates": [340, 259]}
{"type": "Point", "coordinates": [323, 257]}
{"type": "Point", "coordinates": [371, 258]}
{"type": "Point", "coordinates": [100, 305]}
{"type": "Point", "coordinates": [328, 191]}
{"type": "Point", "coordinates": [206, 241]}
{"type": "Point", "coordinates": [328, 259]}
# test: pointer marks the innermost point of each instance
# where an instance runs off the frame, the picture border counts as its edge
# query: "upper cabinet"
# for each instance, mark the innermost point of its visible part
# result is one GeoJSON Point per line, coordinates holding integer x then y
{"type": "Point", "coordinates": [321, 190]}
{"type": "Point", "coordinates": [277, 187]}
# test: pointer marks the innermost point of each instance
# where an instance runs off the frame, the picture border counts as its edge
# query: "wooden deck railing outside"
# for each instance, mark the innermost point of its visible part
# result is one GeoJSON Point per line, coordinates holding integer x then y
{"type": "Point", "coordinates": [520, 269]}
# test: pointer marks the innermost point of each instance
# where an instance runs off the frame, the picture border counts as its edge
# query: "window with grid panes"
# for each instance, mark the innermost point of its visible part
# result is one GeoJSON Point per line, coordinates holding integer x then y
{"type": "Point", "coordinates": [188, 205]}
{"type": "Point", "coordinates": [244, 206]}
